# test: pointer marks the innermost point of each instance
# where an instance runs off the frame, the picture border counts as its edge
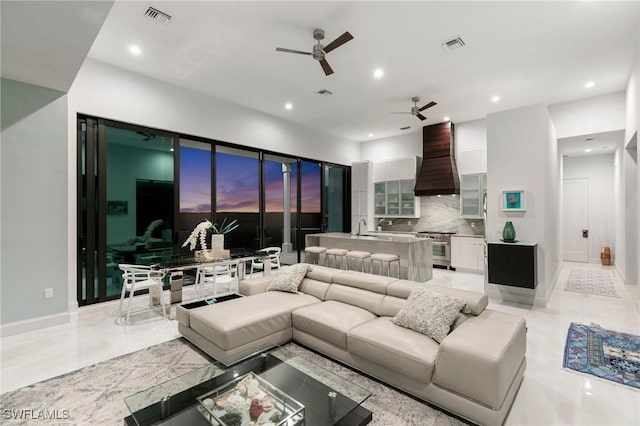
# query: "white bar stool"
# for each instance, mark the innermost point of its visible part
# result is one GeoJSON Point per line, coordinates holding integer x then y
{"type": "Point", "coordinates": [315, 252]}
{"type": "Point", "coordinates": [336, 252]}
{"type": "Point", "coordinates": [355, 254]}
{"type": "Point", "coordinates": [385, 258]}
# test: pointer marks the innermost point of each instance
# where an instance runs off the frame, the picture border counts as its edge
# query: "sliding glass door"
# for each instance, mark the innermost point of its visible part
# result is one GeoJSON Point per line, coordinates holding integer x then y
{"type": "Point", "coordinates": [142, 191]}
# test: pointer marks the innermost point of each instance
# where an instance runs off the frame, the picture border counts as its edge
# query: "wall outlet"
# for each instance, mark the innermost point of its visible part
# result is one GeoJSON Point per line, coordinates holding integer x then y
{"type": "Point", "coordinates": [390, 222]}
{"type": "Point", "coordinates": [473, 224]}
{"type": "Point", "coordinates": [409, 223]}
{"type": "Point", "coordinates": [48, 293]}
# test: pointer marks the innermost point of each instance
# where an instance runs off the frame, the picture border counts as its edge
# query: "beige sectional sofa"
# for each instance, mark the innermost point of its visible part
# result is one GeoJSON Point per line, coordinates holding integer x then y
{"type": "Point", "coordinates": [474, 372]}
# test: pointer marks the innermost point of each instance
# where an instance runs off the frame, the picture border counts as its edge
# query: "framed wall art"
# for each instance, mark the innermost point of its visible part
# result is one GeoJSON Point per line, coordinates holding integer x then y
{"type": "Point", "coordinates": [514, 200]}
{"type": "Point", "coordinates": [117, 208]}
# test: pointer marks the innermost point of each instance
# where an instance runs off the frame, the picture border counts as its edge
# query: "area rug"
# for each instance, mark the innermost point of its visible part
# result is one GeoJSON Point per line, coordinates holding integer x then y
{"type": "Point", "coordinates": [95, 395]}
{"type": "Point", "coordinates": [603, 353]}
{"type": "Point", "coordinates": [591, 281]}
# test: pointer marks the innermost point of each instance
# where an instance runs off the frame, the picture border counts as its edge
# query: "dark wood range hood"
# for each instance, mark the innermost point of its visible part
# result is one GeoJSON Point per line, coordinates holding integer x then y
{"type": "Point", "coordinates": [438, 173]}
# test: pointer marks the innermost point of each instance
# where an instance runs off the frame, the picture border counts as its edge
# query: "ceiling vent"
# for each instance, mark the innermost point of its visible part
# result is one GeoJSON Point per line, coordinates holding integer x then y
{"type": "Point", "coordinates": [325, 92]}
{"type": "Point", "coordinates": [453, 44]}
{"type": "Point", "coordinates": [157, 15]}
{"type": "Point", "coordinates": [405, 128]}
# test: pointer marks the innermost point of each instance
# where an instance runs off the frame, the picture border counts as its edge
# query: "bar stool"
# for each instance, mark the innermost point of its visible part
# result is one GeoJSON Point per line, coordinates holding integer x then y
{"type": "Point", "coordinates": [335, 252]}
{"type": "Point", "coordinates": [355, 254]}
{"type": "Point", "coordinates": [315, 251]}
{"type": "Point", "coordinates": [385, 258]}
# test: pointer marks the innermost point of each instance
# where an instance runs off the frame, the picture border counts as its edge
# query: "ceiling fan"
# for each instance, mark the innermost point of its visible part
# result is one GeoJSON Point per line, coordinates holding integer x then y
{"type": "Point", "coordinates": [415, 110]}
{"type": "Point", "coordinates": [320, 51]}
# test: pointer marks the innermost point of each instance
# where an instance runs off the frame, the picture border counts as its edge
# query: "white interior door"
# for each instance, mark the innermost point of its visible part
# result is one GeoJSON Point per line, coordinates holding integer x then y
{"type": "Point", "coordinates": [575, 220]}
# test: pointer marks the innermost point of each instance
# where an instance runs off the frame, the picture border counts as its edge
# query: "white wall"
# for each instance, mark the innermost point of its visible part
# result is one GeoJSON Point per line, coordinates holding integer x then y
{"type": "Point", "coordinates": [110, 92]}
{"type": "Point", "coordinates": [600, 172]}
{"type": "Point", "coordinates": [401, 146]}
{"type": "Point", "coordinates": [522, 154]}
{"type": "Point", "coordinates": [33, 224]}
{"type": "Point", "coordinates": [592, 115]}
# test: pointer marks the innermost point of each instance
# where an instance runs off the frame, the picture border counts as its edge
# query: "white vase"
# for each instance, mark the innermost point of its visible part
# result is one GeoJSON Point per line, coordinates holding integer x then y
{"type": "Point", "coordinates": [217, 242]}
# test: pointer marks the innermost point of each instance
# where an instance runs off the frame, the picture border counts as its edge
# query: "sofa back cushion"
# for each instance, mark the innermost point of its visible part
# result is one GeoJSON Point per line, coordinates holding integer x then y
{"type": "Point", "coordinates": [390, 306]}
{"type": "Point", "coordinates": [354, 296]}
{"type": "Point", "coordinates": [475, 302]}
{"type": "Point", "coordinates": [375, 283]}
{"type": "Point", "coordinates": [314, 287]}
{"type": "Point", "coordinates": [322, 273]}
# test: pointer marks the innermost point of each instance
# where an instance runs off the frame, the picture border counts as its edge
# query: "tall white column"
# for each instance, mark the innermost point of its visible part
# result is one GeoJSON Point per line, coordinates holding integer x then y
{"type": "Point", "coordinates": [287, 247]}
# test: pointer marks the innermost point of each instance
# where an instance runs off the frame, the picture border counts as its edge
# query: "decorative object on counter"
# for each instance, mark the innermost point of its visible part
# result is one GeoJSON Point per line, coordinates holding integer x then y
{"type": "Point", "coordinates": [509, 233]}
{"type": "Point", "coordinates": [514, 200]}
{"type": "Point", "coordinates": [199, 235]}
{"type": "Point", "coordinates": [605, 256]}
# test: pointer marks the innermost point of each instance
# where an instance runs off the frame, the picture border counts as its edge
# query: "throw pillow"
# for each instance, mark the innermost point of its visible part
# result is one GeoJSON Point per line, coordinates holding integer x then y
{"type": "Point", "coordinates": [288, 279]}
{"type": "Point", "coordinates": [429, 313]}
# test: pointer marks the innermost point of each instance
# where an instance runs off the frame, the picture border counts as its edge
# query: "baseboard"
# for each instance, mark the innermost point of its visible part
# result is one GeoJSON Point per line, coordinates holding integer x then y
{"type": "Point", "coordinates": [18, 327]}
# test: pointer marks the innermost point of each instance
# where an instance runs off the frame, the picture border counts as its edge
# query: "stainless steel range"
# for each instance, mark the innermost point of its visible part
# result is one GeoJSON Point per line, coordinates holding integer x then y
{"type": "Point", "coordinates": [441, 247]}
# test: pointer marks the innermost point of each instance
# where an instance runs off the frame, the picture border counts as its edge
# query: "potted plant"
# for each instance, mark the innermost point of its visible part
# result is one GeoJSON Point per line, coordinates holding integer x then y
{"type": "Point", "coordinates": [199, 235]}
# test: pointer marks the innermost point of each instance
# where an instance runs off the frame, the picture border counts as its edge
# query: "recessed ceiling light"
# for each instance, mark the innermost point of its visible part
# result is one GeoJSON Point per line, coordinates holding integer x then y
{"type": "Point", "coordinates": [589, 84]}
{"type": "Point", "coordinates": [288, 105]}
{"type": "Point", "coordinates": [370, 135]}
{"type": "Point", "coordinates": [447, 118]}
{"type": "Point", "coordinates": [495, 98]}
{"type": "Point", "coordinates": [587, 150]}
{"type": "Point", "coordinates": [171, 150]}
{"type": "Point", "coordinates": [134, 49]}
{"type": "Point", "coordinates": [378, 73]}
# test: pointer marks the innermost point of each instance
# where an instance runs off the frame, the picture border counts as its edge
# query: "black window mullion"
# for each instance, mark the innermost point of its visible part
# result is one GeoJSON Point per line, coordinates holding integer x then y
{"type": "Point", "coordinates": [102, 211]}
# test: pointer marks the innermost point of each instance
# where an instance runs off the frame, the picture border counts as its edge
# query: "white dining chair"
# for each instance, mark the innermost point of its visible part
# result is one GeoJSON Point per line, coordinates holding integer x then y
{"type": "Point", "coordinates": [274, 256]}
{"type": "Point", "coordinates": [223, 277]}
{"type": "Point", "coordinates": [139, 277]}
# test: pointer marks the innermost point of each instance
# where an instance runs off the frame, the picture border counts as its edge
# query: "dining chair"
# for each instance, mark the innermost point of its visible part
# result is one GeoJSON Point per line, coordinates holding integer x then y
{"type": "Point", "coordinates": [274, 256]}
{"type": "Point", "coordinates": [139, 277]}
{"type": "Point", "coordinates": [223, 275]}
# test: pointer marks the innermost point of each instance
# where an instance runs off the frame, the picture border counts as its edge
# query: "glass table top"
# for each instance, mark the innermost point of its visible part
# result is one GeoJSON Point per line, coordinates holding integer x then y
{"type": "Point", "coordinates": [327, 398]}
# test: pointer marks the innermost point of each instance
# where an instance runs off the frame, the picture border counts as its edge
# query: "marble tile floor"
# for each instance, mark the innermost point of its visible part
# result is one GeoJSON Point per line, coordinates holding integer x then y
{"type": "Point", "coordinates": [549, 395]}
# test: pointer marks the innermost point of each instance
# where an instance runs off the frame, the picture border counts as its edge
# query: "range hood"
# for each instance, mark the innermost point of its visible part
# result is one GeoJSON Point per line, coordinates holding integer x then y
{"type": "Point", "coordinates": [438, 173]}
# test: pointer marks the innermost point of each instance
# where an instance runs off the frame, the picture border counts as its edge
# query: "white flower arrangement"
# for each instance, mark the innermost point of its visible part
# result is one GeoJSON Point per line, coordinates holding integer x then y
{"type": "Point", "coordinates": [198, 233]}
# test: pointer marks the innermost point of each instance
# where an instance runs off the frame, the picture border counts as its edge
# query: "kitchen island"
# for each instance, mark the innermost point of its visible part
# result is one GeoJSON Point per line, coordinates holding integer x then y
{"type": "Point", "coordinates": [415, 253]}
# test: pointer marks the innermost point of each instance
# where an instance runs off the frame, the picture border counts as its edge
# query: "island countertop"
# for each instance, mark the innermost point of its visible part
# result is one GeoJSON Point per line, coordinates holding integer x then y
{"type": "Point", "coordinates": [415, 253]}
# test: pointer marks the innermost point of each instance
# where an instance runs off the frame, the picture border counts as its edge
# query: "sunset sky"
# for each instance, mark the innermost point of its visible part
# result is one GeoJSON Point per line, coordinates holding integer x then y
{"type": "Point", "coordinates": [237, 184]}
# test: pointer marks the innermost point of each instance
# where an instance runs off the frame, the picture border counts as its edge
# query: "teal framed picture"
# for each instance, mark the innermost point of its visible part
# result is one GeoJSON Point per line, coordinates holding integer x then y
{"type": "Point", "coordinates": [514, 200]}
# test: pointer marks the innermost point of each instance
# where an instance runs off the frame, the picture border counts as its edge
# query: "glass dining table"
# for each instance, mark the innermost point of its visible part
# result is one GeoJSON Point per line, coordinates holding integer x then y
{"type": "Point", "coordinates": [175, 267]}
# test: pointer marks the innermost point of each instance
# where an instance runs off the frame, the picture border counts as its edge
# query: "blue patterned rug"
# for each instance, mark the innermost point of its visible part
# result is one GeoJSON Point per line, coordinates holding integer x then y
{"type": "Point", "coordinates": [603, 353]}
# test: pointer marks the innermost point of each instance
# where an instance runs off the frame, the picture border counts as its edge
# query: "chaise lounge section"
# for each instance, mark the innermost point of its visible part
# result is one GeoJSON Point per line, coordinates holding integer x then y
{"type": "Point", "coordinates": [474, 372]}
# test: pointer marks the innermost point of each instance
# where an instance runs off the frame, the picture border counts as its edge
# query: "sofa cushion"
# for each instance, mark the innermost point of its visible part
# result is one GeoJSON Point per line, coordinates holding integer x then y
{"type": "Point", "coordinates": [288, 279]}
{"type": "Point", "coordinates": [476, 302]}
{"type": "Point", "coordinates": [396, 348]}
{"type": "Point", "coordinates": [355, 296]}
{"type": "Point", "coordinates": [377, 283]}
{"type": "Point", "coordinates": [314, 287]}
{"type": "Point", "coordinates": [429, 313]}
{"type": "Point", "coordinates": [330, 320]}
{"type": "Point", "coordinates": [240, 321]}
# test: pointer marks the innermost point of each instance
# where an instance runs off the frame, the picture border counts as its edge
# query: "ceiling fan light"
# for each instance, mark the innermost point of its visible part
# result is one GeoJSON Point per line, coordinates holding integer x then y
{"type": "Point", "coordinates": [378, 73]}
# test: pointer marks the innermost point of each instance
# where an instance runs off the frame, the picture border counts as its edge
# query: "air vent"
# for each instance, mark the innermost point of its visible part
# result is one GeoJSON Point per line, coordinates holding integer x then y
{"type": "Point", "coordinates": [405, 128]}
{"type": "Point", "coordinates": [453, 44]}
{"type": "Point", "coordinates": [157, 15]}
{"type": "Point", "coordinates": [325, 92]}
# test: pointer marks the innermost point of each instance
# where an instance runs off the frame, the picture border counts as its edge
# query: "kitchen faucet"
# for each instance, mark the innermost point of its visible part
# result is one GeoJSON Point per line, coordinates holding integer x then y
{"type": "Point", "coordinates": [365, 224]}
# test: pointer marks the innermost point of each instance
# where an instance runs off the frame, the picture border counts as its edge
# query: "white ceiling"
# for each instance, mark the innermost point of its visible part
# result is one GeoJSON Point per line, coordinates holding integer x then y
{"type": "Point", "coordinates": [526, 52]}
{"type": "Point", "coordinates": [598, 143]}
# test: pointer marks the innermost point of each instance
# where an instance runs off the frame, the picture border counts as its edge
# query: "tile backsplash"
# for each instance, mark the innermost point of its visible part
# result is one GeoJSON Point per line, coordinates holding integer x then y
{"type": "Point", "coordinates": [437, 214]}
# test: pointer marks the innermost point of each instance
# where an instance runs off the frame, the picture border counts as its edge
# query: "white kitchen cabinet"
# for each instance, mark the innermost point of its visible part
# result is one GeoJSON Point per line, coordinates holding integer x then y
{"type": "Point", "coordinates": [467, 253]}
{"type": "Point", "coordinates": [395, 198]}
{"type": "Point", "coordinates": [396, 169]}
{"type": "Point", "coordinates": [360, 193]}
{"type": "Point", "coordinates": [472, 190]}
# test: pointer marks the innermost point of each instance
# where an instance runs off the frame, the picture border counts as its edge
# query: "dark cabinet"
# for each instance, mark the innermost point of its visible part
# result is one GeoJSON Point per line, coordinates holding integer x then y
{"type": "Point", "coordinates": [513, 264]}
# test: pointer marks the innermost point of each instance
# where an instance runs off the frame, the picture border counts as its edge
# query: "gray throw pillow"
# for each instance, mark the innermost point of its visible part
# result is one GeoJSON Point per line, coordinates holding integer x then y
{"type": "Point", "coordinates": [429, 313]}
{"type": "Point", "coordinates": [289, 279]}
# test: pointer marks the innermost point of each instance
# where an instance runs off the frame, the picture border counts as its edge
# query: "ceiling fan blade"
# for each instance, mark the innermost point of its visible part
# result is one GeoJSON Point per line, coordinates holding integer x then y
{"type": "Point", "coordinates": [325, 67]}
{"type": "Point", "coordinates": [338, 42]}
{"type": "Point", "coordinates": [429, 105]}
{"type": "Point", "coordinates": [398, 113]}
{"type": "Point", "coordinates": [421, 117]}
{"type": "Point", "coordinates": [300, 52]}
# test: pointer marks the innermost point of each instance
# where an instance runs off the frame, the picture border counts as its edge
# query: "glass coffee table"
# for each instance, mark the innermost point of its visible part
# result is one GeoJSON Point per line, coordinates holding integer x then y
{"type": "Point", "coordinates": [302, 392]}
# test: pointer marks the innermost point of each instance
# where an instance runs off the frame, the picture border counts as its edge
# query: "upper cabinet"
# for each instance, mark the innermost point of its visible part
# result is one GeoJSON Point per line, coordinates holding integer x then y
{"type": "Point", "coordinates": [472, 190]}
{"type": "Point", "coordinates": [394, 181]}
